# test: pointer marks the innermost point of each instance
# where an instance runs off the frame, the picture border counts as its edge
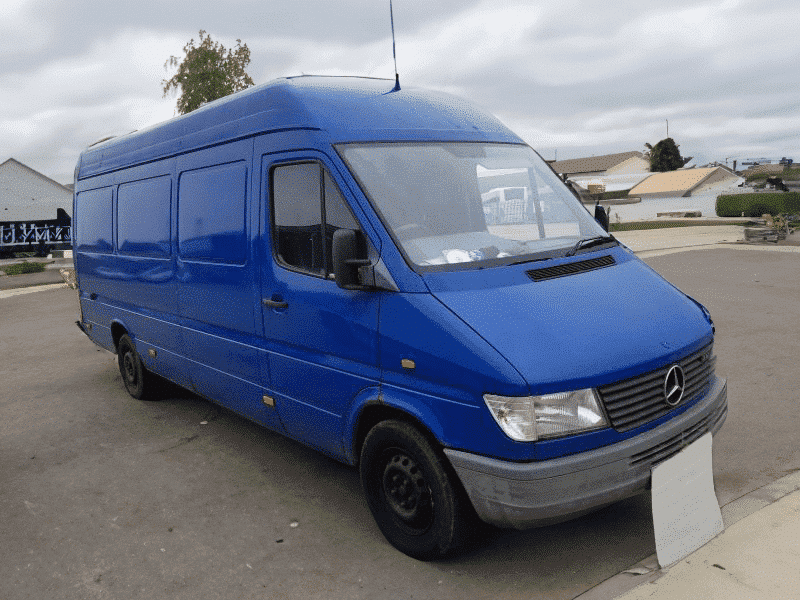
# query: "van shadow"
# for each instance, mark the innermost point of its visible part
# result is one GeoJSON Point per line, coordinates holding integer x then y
{"type": "Point", "coordinates": [577, 554]}
{"type": "Point", "coordinates": [570, 556]}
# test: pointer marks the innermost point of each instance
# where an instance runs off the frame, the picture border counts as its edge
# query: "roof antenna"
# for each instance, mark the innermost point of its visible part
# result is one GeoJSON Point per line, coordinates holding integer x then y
{"type": "Point", "coordinates": [394, 52]}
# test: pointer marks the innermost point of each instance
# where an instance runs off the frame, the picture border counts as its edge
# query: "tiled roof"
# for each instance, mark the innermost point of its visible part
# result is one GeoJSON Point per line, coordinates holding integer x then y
{"type": "Point", "coordinates": [672, 182]}
{"type": "Point", "coordinates": [593, 164]}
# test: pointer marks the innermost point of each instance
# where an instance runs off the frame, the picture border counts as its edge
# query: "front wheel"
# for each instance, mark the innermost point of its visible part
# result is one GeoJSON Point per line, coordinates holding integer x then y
{"type": "Point", "coordinates": [415, 501]}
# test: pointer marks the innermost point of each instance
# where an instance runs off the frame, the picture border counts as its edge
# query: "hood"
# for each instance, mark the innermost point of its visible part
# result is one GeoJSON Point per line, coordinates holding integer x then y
{"type": "Point", "coordinates": [580, 330]}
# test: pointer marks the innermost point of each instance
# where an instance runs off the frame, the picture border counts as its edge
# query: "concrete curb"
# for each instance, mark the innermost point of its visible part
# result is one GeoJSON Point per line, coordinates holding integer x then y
{"type": "Point", "coordinates": [31, 289]}
{"type": "Point", "coordinates": [725, 245]}
{"type": "Point", "coordinates": [767, 533]}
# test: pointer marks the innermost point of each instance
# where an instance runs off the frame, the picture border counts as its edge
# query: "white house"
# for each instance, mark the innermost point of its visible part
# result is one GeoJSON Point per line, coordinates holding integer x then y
{"type": "Point", "coordinates": [27, 195]}
{"type": "Point", "coordinates": [686, 182]}
{"type": "Point", "coordinates": [619, 171]}
{"type": "Point", "coordinates": [607, 164]}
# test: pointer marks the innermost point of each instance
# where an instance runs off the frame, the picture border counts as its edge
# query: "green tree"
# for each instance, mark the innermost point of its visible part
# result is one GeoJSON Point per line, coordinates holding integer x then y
{"type": "Point", "coordinates": [665, 156]}
{"type": "Point", "coordinates": [207, 72]}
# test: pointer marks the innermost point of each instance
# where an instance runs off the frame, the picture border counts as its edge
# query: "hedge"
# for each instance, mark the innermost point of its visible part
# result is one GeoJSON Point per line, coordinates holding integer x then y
{"type": "Point", "coordinates": [755, 205]}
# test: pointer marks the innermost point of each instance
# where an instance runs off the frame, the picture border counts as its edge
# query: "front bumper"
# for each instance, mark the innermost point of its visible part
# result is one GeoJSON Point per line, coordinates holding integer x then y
{"type": "Point", "coordinates": [521, 495]}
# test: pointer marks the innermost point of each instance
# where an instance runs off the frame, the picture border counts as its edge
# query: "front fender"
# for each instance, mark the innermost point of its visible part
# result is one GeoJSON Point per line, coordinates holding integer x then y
{"type": "Point", "coordinates": [370, 396]}
{"type": "Point", "coordinates": [450, 423]}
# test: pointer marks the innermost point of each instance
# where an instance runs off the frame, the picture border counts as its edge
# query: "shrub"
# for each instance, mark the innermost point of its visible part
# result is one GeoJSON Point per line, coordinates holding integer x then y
{"type": "Point", "coordinates": [23, 267]}
{"type": "Point", "coordinates": [755, 205]}
{"type": "Point", "coordinates": [788, 174]}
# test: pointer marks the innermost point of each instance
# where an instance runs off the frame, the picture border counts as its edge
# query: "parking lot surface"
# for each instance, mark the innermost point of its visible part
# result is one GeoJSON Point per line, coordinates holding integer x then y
{"type": "Point", "coordinates": [104, 496]}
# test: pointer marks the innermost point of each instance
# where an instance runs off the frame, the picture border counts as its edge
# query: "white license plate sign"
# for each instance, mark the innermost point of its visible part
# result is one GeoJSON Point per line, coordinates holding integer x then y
{"type": "Point", "coordinates": [686, 513]}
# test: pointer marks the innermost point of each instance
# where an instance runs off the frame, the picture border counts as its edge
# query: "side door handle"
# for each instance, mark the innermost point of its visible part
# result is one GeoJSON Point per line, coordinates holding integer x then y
{"type": "Point", "coordinates": [274, 302]}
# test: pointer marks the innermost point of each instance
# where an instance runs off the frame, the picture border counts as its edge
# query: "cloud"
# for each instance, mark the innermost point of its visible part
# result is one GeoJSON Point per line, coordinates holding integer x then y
{"type": "Point", "coordinates": [21, 28]}
{"type": "Point", "coordinates": [73, 101]}
{"type": "Point", "coordinates": [586, 77]}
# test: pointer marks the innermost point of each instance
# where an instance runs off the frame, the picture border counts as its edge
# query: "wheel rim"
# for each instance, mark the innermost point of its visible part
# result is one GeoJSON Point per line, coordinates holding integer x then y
{"type": "Point", "coordinates": [406, 491]}
{"type": "Point", "coordinates": [130, 368]}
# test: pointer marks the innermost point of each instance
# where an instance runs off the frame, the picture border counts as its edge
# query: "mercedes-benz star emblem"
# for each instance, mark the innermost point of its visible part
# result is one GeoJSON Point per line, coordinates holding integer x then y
{"type": "Point", "coordinates": [673, 385]}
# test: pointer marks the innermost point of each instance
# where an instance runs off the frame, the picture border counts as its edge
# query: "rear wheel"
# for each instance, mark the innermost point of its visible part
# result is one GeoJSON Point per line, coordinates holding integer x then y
{"type": "Point", "coordinates": [134, 375]}
{"type": "Point", "coordinates": [416, 502]}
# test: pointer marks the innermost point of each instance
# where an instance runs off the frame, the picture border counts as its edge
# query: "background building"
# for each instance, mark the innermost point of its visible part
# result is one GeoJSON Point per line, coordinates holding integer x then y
{"type": "Point", "coordinates": [27, 195]}
{"type": "Point", "coordinates": [607, 164]}
{"type": "Point", "coordinates": [619, 171]}
{"type": "Point", "coordinates": [685, 182]}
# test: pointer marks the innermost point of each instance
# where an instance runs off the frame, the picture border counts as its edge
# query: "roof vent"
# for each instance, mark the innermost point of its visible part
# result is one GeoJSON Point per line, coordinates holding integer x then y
{"type": "Point", "coordinates": [571, 268]}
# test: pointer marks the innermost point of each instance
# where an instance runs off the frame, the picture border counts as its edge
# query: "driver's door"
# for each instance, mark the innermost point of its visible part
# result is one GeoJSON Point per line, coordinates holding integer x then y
{"type": "Point", "coordinates": [322, 340]}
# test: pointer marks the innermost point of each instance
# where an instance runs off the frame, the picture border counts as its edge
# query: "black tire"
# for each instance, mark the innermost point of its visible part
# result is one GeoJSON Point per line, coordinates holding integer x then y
{"type": "Point", "coordinates": [134, 375]}
{"type": "Point", "coordinates": [416, 501]}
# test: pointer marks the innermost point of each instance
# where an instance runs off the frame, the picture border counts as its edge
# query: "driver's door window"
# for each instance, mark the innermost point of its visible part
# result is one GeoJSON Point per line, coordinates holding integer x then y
{"type": "Point", "coordinates": [303, 225]}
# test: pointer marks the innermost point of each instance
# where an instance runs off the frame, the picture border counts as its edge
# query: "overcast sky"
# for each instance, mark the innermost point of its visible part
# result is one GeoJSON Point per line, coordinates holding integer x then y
{"type": "Point", "coordinates": [573, 78]}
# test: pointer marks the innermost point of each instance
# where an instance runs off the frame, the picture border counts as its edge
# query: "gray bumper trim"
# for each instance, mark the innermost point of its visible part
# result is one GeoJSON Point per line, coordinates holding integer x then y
{"type": "Point", "coordinates": [521, 495]}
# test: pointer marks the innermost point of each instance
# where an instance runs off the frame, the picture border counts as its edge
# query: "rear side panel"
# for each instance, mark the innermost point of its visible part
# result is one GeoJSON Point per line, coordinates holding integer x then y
{"type": "Point", "coordinates": [124, 256]}
{"type": "Point", "coordinates": [164, 253]}
{"type": "Point", "coordinates": [93, 243]}
{"type": "Point", "coordinates": [217, 299]}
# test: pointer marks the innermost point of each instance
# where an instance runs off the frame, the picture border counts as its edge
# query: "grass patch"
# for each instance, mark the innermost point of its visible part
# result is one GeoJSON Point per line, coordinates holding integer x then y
{"type": "Point", "coordinates": [614, 195]}
{"type": "Point", "coordinates": [23, 268]}
{"type": "Point", "coordinates": [640, 225]}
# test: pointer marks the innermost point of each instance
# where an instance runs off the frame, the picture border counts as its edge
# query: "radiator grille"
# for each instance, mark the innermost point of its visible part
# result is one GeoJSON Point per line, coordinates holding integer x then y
{"type": "Point", "coordinates": [669, 448]}
{"type": "Point", "coordinates": [640, 399]}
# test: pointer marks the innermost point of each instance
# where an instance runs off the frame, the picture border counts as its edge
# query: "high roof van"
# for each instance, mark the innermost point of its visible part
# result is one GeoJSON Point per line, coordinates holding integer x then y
{"type": "Point", "coordinates": [396, 279]}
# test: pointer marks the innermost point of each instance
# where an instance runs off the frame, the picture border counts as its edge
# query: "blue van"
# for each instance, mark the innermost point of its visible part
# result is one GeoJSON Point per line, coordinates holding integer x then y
{"type": "Point", "coordinates": [394, 278]}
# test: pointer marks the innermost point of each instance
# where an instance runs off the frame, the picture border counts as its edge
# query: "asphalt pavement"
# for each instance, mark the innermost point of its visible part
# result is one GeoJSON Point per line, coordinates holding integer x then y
{"type": "Point", "coordinates": [757, 555]}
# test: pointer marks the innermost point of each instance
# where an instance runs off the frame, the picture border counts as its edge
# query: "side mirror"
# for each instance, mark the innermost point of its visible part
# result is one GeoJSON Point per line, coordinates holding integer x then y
{"type": "Point", "coordinates": [600, 216]}
{"type": "Point", "coordinates": [347, 256]}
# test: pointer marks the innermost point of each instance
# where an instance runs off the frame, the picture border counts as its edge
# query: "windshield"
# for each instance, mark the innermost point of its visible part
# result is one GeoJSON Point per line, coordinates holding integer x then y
{"type": "Point", "coordinates": [448, 203]}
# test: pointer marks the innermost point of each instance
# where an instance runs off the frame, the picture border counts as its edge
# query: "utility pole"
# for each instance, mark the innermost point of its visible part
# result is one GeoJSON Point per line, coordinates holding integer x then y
{"type": "Point", "coordinates": [667, 120]}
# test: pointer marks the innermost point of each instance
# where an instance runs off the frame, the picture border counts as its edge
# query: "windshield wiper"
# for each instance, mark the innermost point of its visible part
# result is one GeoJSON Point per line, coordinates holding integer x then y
{"type": "Point", "coordinates": [528, 260]}
{"type": "Point", "coordinates": [589, 242]}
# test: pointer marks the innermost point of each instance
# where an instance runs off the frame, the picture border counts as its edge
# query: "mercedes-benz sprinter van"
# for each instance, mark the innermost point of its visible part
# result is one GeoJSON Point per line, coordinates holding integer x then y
{"type": "Point", "coordinates": [394, 278]}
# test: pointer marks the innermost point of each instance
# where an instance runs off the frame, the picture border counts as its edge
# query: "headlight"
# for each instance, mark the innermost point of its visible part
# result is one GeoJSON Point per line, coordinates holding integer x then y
{"type": "Point", "coordinates": [529, 418]}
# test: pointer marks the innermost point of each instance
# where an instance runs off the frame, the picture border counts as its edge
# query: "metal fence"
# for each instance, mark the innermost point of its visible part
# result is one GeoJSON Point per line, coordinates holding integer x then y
{"type": "Point", "coordinates": [21, 236]}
